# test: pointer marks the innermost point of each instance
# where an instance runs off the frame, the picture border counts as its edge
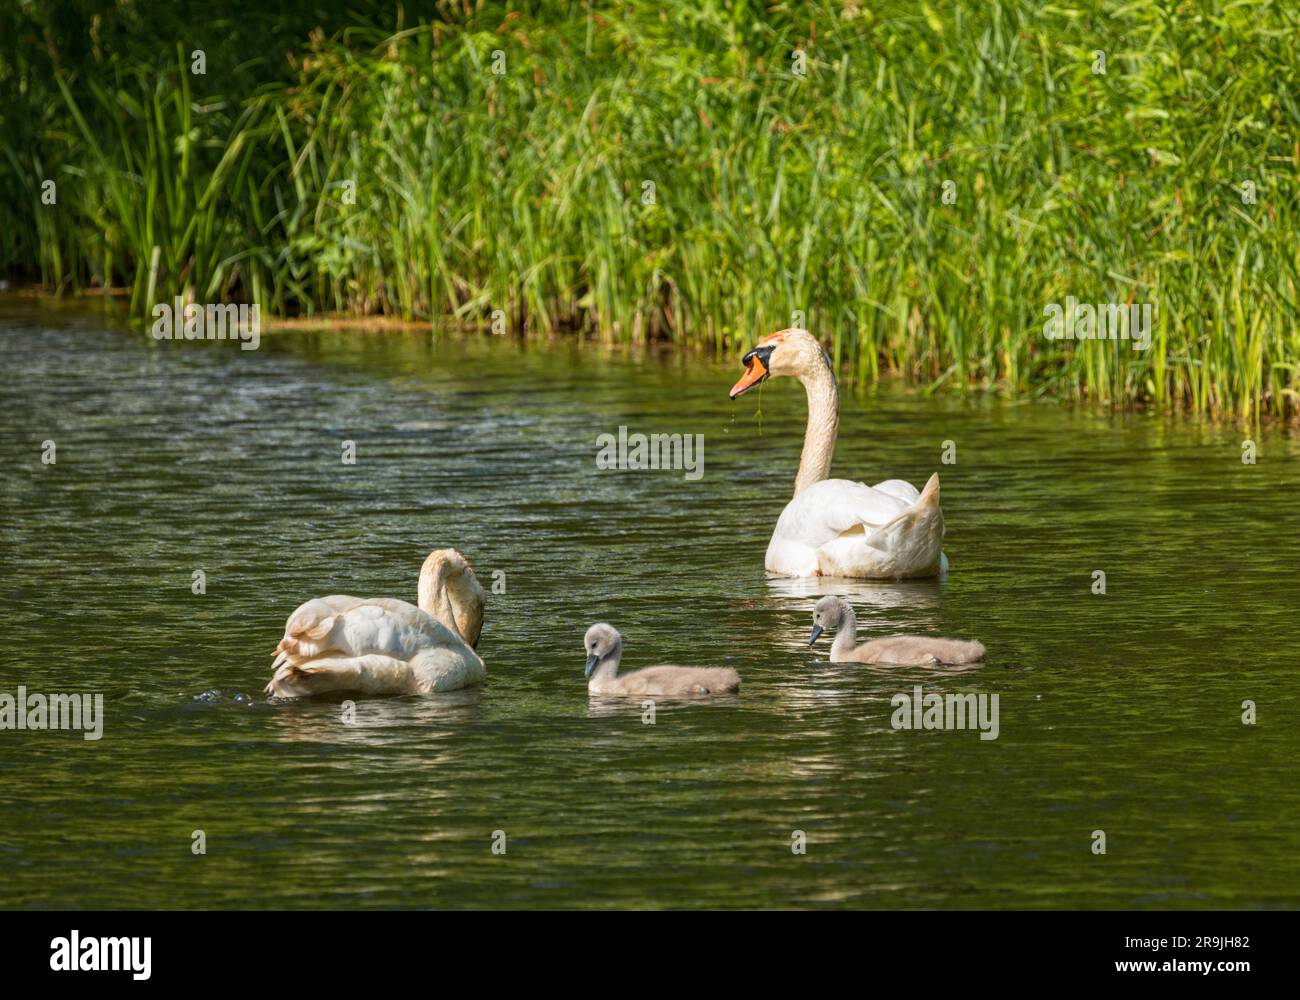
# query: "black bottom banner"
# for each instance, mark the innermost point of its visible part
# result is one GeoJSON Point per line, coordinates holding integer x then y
{"type": "Point", "coordinates": [139, 949]}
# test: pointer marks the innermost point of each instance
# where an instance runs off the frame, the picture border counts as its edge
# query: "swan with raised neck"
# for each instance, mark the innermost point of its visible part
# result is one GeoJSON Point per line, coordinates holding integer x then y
{"type": "Point", "coordinates": [839, 527]}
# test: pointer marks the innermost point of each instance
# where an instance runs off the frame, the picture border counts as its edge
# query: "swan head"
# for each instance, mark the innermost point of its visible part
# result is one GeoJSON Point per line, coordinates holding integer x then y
{"type": "Point", "coordinates": [601, 642]}
{"type": "Point", "coordinates": [828, 613]}
{"type": "Point", "coordinates": [791, 352]}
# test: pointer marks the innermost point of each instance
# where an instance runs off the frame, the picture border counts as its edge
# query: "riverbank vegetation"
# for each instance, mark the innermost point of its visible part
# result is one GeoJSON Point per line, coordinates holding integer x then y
{"type": "Point", "coordinates": [915, 182]}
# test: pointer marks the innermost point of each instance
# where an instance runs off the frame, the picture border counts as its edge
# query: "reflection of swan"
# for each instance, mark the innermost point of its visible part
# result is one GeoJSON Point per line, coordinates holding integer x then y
{"type": "Point", "coordinates": [340, 720]}
{"type": "Point", "coordinates": [876, 594]}
{"type": "Point", "coordinates": [897, 650]}
{"type": "Point", "coordinates": [604, 648]}
{"type": "Point", "coordinates": [384, 646]}
{"type": "Point", "coordinates": [834, 527]}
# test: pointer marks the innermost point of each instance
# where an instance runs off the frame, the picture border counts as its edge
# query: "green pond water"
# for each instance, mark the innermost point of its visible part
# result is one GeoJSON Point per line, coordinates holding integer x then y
{"type": "Point", "coordinates": [1119, 712]}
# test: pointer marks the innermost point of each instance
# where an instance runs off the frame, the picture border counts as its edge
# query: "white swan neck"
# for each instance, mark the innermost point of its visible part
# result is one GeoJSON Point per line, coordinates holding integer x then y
{"type": "Point", "coordinates": [823, 426]}
{"type": "Point", "coordinates": [449, 592]}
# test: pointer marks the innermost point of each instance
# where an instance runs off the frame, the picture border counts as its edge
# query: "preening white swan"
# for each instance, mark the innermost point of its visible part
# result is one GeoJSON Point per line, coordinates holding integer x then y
{"type": "Point", "coordinates": [604, 648]}
{"type": "Point", "coordinates": [383, 646]}
{"type": "Point", "coordinates": [895, 650]}
{"type": "Point", "coordinates": [834, 527]}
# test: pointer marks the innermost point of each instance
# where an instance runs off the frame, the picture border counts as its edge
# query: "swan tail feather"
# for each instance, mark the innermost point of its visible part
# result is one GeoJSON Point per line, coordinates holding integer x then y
{"type": "Point", "coordinates": [297, 678]}
{"type": "Point", "coordinates": [930, 495]}
{"type": "Point", "coordinates": [913, 539]}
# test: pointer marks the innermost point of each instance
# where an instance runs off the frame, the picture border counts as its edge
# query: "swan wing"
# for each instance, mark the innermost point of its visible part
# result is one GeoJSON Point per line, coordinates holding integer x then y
{"type": "Point", "coordinates": [900, 489]}
{"type": "Point", "coordinates": [370, 628]}
{"type": "Point", "coordinates": [400, 612]}
{"type": "Point", "coordinates": [828, 509]}
{"type": "Point", "coordinates": [370, 674]}
{"type": "Point", "coordinates": [342, 603]}
{"type": "Point", "coordinates": [371, 646]}
{"type": "Point", "coordinates": [666, 681]}
{"type": "Point", "coordinates": [841, 528]}
{"type": "Point", "coordinates": [430, 669]}
{"type": "Point", "coordinates": [356, 626]}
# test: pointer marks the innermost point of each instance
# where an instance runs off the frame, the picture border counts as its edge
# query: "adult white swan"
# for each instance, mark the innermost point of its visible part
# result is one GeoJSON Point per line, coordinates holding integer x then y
{"type": "Point", "coordinates": [834, 527]}
{"type": "Point", "coordinates": [379, 645]}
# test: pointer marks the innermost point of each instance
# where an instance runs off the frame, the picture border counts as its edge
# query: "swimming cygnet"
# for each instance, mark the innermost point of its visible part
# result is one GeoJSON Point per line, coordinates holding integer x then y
{"type": "Point", "coordinates": [896, 650]}
{"type": "Point", "coordinates": [604, 648]}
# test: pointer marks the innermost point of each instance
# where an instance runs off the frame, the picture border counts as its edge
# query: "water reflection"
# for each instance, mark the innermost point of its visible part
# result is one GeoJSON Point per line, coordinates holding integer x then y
{"type": "Point", "coordinates": [640, 706]}
{"type": "Point", "coordinates": [928, 676]}
{"type": "Point", "coordinates": [343, 719]}
{"type": "Point", "coordinates": [800, 592]}
{"type": "Point", "coordinates": [174, 457]}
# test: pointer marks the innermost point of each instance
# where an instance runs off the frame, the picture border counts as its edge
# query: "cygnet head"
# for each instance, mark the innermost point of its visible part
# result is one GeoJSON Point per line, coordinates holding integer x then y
{"type": "Point", "coordinates": [828, 613]}
{"type": "Point", "coordinates": [601, 641]}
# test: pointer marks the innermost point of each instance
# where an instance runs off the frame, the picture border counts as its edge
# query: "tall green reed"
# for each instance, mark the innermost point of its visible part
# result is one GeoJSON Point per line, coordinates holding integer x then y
{"type": "Point", "coordinates": [663, 171]}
